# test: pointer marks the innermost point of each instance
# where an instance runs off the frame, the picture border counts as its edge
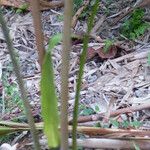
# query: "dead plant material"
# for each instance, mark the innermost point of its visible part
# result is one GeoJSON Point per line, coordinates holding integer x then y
{"type": "Point", "coordinates": [78, 13]}
{"type": "Point", "coordinates": [111, 133]}
{"type": "Point", "coordinates": [111, 143]}
{"type": "Point", "coordinates": [43, 4]}
{"type": "Point", "coordinates": [111, 52]}
{"type": "Point", "coordinates": [142, 4]}
{"type": "Point", "coordinates": [97, 26]}
{"type": "Point", "coordinates": [96, 117]}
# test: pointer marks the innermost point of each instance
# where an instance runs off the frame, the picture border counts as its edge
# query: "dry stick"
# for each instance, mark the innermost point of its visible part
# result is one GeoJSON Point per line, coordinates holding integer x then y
{"type": "Point", "coordinates": [107, 143]}
{"type": "Point", "coordinates": [20, 83]}
{"type": "Point", "coordinates": [111, 143]}
{"type": "Point", "coordinates": [96, 117]}
{"type": "Point", "coordinates": [52, 4]}
{"type": "Point", "coordinates": [97, 26]}
{"type": "Point", "coordinates": [65, 72]}
{"type": "Point", "coordinates": [35, 8]}
{"type": "Point", "coordinates": [111, 133]}
{"type": "Point", "coordinates": [43, 3]}
{"type": "Point", "coordinates": [78, 13]}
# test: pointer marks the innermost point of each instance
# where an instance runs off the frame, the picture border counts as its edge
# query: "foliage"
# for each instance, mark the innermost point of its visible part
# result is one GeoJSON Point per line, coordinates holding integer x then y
{"type": "Point", "coordinates": [49, 98]}
{"type": "Point", "coordinates": [135, 26]}
{"type": "Point", "coordinates": [125, 124]}
{"type": "Point", "coordinates": [12, 95]}
{"type": "Point", "coordinates": [87, 111]}
{"type": "Point", "coordinates": [97, 109]}
{"type": "Point", "coordinates": [77, 4]}
{"type": "Point", "coordinates": [107, 44]}
{"type": "Point", "coordinates": [8, 138]}
{"type": "Point", "coordinates": [136, 146]}
{"type": "Point", "coordinates": [22, 8]}
{"type": "Point", "coordinates": [148, 59]}
{"type": "Point", "coordinates": [60, 18]}
{"type": "Point", "coordinates": [107, 9]}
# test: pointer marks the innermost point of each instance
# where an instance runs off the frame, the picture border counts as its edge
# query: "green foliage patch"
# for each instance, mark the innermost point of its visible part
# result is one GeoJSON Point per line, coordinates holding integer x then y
{"type": "Point", "coordinates": [135, 26]}
{"type": "Point", "coordinates": [12, 96]}
{"type": "Point", "coordinates": [77, 4]}
{"type": "Point", "coordinates": [107, 44]}
{"type": "Point", "coordinates": [125, 124]}
{"type": "Point", "coordinates": [22, 8]}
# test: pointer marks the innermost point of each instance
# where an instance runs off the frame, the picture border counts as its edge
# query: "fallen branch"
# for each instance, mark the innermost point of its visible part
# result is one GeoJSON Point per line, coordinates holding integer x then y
{"type": "Point", "coordinates": [43, 4]}
{"type": "Point", "coordinates": [110, 133]}
{"type": "Point", "coordinates": [52, 4]}
{"type": "Point", "coordinates": [100, 116]}
{"type": "Point", "coordinates": [111, 143]}
{"type": "Point", "coordinates": [105, 143]}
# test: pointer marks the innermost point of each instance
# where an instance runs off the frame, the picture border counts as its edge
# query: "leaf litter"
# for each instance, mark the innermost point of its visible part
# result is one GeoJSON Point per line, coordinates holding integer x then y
{"type": "Point", "coordinates": [109, 83]}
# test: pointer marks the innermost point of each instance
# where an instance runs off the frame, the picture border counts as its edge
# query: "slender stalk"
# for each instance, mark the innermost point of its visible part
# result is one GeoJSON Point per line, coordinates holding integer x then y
{"type": "Point", "coordinates": [81, 70]}
{"type": "Point", "coordinates": [64, 72]}
{"type": "Point", "coordinates": [20, 82]}
{"type": "Point", "coordinates": [35, 9]}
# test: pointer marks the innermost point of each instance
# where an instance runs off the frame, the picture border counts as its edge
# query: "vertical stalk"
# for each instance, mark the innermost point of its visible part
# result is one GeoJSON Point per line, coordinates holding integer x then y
{"type": "Point", "coordinates": [81, 71]}
{"type": "Point", "coordinates": [35, 9]}
{"type": "Point", "coordinates": [20, 83]}
{"type": "Point", "coordinates": [65, 71]}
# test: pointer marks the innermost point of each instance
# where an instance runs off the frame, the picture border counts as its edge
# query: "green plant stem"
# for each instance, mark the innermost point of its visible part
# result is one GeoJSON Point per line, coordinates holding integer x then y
{"type": "Point", "coordinates": [20, 82]}
{"type": "Point", "coordinates": [65, 72]}
{"type": "Point", "coordinates": [81, 70]}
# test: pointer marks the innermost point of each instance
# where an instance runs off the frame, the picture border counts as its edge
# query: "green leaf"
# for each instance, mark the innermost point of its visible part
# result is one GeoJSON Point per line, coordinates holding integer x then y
{"type": "Point", "coordinates": [7, 127]}
{"type": "Point", "coordinates": [6, 130]}
{"type": "Point", "coordinates": [22, 8]}
{"type": "Point", "coordinates": [54, 41]}
{"type": "Point", "coordinates": [49, 98]}
{"type": "Point", "coordinates": [97, 109]}
{"type": "Point", "coordinates": [125, 124]}
{"type": "Point", "coordinates": [149, 58]}
{"type": "Point", "coordinates": [135, 26]}
{"type": "Point", "coordinates": [108, 43]}
{"type": "Point", "coordinates": [136, 146]}
{"type": "Point", "coordinates": [136, 124]}
{"type": "Point", "coordinates": [77, 4]}
{"type": "Point", "coordinates": [115, 123]}
{"type": "Point", "coordinates": [87, 111]}
{"type": "Point", "coordinates": [97, 124]}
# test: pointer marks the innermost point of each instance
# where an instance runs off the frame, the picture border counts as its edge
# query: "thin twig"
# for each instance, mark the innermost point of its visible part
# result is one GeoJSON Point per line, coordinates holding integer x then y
{"type": "Point", "coordinates": [114, 113]}
{"type": "Point", "coordinates": [79, 12]}
{"type": "Point", "coordinates": [20, 82]}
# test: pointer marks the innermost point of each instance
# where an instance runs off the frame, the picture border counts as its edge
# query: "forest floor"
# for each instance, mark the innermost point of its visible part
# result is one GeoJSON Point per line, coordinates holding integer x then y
{"type": "Point", "coordinates": [115, 80]}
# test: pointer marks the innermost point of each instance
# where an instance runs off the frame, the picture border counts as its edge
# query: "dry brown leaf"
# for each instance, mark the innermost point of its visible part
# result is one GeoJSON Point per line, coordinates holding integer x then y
{"type": "Point", "coordinates": [91, 52]}
{"type": "Point", "coordinates": [112, 51]}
